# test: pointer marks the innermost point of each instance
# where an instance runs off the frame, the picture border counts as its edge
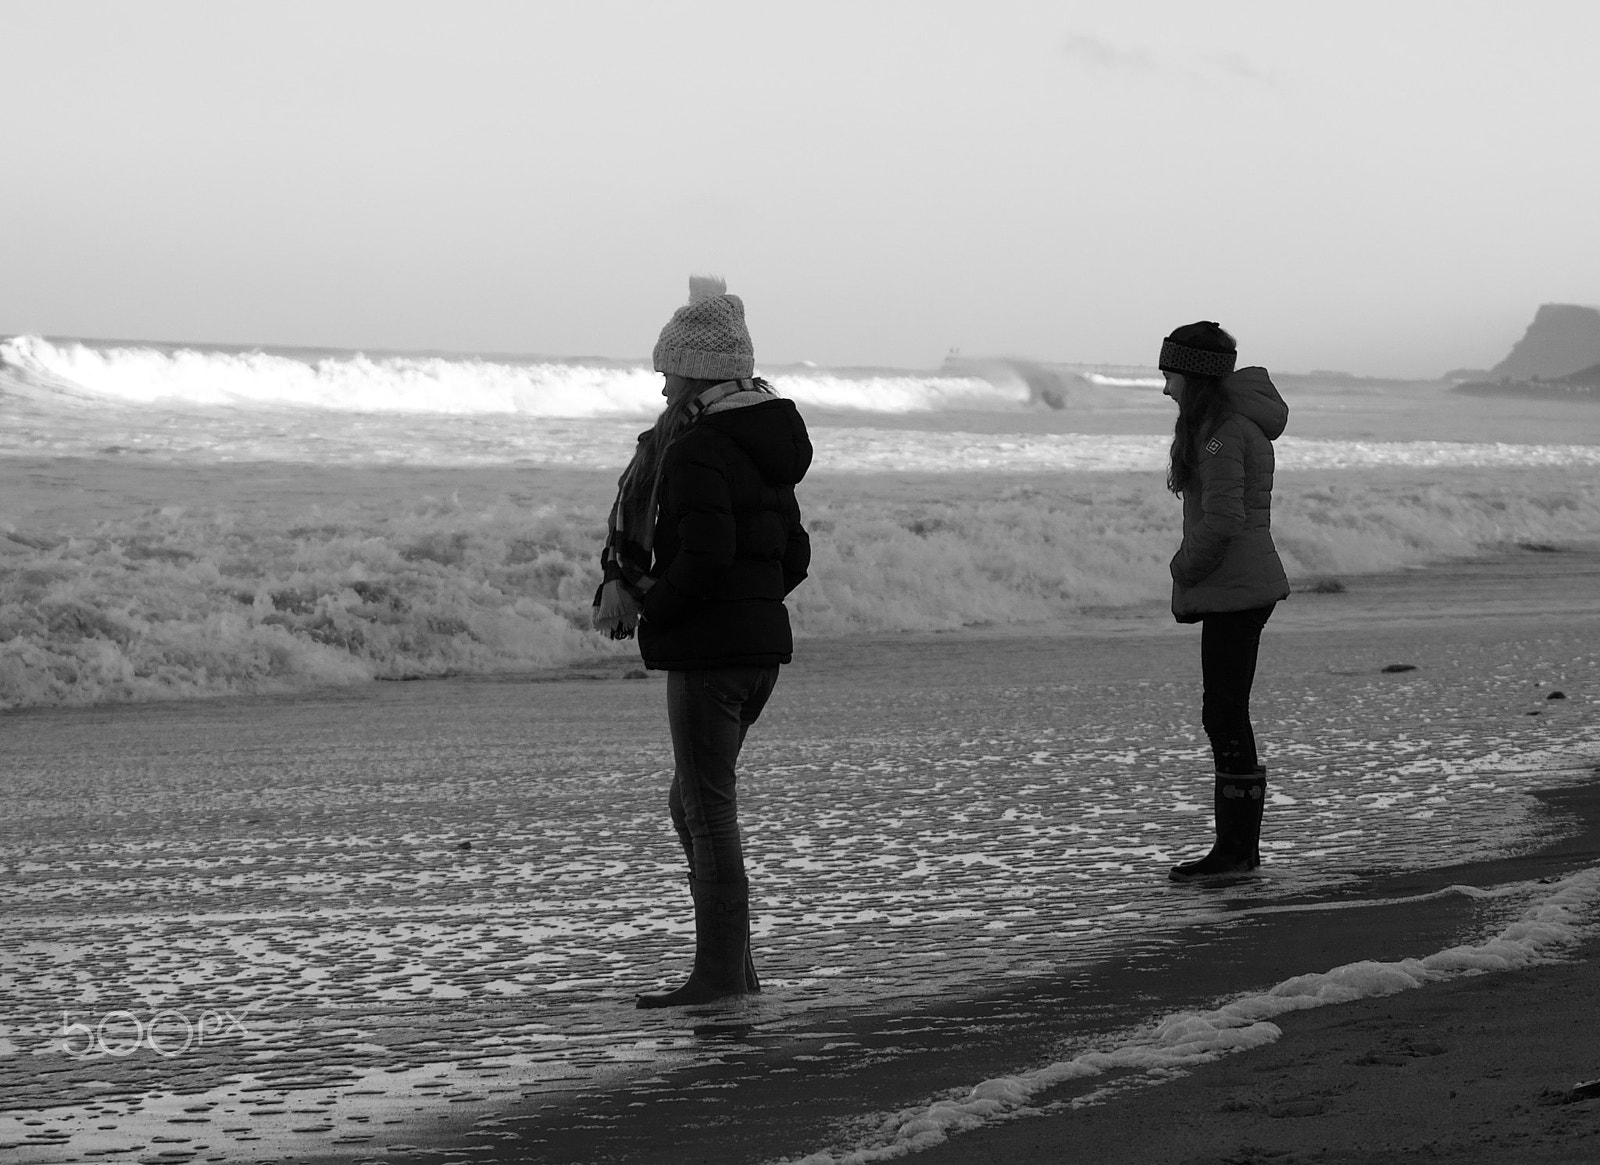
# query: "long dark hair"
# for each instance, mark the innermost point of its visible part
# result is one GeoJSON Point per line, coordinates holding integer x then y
{"type": "Point", "coordinates": [1201, 408]}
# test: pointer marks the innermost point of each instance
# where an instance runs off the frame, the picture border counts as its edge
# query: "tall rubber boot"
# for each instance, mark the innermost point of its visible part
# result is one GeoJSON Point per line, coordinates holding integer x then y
{"type": "Point", "coordinates": [1237, 802]}
{"type": "Point", "coordinates": [1258, 806]}
{"type": "Point", "coordinates": [752, 983]}
{"type": "Point", "coordinates": [721, 945]}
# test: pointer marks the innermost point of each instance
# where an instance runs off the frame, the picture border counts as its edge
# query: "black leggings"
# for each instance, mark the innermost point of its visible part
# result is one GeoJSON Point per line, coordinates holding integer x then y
{"type": "Point", "coordinates": [1228, 646]}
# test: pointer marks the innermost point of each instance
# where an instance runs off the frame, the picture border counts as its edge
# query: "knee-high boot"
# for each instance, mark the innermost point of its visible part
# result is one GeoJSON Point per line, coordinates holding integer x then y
{"type": "Point", "coordinates": [752, 983]}
{"type": "Point", "coordinates": [721, 945]}
{"type": "Point", "coordinates": [1258, 805]}
{"type": "Point", "coordinates": [1237, 804]}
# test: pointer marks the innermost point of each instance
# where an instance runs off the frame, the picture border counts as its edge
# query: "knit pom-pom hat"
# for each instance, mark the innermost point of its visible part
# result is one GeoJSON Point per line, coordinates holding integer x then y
{"type": "Point", "coordinates": [706, 338]}
{"type": "Point", "coordinates": [1199, 349]}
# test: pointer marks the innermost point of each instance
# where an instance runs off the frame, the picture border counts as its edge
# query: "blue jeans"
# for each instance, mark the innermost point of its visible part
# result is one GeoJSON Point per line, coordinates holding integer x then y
{"type": "Point", "coordinates": [709, 713]}
{"type": "Point", "coordinates": [1228, 646]}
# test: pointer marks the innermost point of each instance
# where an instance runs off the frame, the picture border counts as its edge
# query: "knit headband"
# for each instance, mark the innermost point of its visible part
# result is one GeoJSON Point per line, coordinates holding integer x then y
{"type": "Point", "coordinates": [1195, 361]}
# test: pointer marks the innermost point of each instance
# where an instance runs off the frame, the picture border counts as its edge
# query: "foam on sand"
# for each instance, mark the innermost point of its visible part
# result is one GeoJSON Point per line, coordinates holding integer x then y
{"type": "Point", "coordinates": [1559, 916]}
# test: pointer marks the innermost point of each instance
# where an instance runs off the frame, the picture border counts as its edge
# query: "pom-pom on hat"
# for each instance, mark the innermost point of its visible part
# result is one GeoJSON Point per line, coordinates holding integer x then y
{"type": "Point", "coordinates": [1199, 349]}
{"type": "Point", "coordinates": [706, 338]}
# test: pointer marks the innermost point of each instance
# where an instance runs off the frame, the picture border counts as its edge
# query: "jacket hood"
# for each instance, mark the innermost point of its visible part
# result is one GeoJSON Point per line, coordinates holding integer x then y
{"type": "Point", "coordinates": [1254, 397]}
{"type": "Point", "coordinates": [771, 433]}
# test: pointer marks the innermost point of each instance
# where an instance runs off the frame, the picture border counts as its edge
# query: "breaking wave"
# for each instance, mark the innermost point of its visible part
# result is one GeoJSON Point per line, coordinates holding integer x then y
{"type": "Point", "coordinates": [193, 522]}
{"type": "Point", "coordinates": [460, 385]}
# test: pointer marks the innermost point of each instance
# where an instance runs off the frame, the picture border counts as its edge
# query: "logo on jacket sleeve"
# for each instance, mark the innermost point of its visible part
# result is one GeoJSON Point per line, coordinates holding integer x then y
{"type": "Point", "coordinates": [1214, 445]}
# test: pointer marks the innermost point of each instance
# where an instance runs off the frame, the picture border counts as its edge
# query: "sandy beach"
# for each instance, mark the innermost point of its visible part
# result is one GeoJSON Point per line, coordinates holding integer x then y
{"type": "Point", "coordinates": [1479, 1071]}
{"type": "Point", "coordinates": [830, 1067]}
{"type": "Point", "coordinates": [1477, 1068]}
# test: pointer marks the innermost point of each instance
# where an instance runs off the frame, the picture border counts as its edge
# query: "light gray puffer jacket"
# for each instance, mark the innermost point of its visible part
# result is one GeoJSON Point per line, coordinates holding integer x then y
{"type": "Point", "coordinates": [1228, 561]}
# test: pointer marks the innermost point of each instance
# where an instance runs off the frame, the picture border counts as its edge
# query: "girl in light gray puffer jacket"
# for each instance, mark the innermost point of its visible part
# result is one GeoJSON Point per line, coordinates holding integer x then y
{"type": "Point", "coordinates": [1226, 575]}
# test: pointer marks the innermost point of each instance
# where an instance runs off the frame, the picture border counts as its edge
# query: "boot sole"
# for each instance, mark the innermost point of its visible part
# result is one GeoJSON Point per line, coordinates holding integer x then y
{"type": "Point", "coordinates": [1220, 878]}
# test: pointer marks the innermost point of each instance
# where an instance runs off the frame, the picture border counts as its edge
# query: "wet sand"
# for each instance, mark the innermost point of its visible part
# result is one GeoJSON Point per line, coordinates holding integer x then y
{"type": "Point", "coordinates": [1482, 1069]}
{"type": "Point", "coordinates": [1476, 1072]}
{"type": "Point", "coordinates": [1474, 1069]}
{"type": "Point", "coordinates": [1471, 1070]}
{"type": "Point", "coordinates": [1491, 642]}
{"type": "Point", "coordinates": [1486, 1068]}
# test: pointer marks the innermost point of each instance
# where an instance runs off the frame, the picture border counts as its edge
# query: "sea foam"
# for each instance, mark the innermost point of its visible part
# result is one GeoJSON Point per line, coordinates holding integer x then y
{"type": "Point", "coordinates": [246, 580]}
{"type": "Point", "coordinates": [1559, 917]}
{"type": "Point", "coordinates": [258, 589]}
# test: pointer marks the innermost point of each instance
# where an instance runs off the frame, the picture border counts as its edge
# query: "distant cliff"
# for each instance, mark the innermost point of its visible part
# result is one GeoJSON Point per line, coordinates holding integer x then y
{"type": "Point", "coordinates": [1583, 384]}
{"type": "Point", "coordinates": [1563, 338]}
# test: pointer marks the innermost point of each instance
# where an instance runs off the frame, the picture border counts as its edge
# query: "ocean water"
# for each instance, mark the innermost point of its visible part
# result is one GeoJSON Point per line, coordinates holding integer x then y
{"type": "Point", "coordinates": [189, 522]}
{"type": "Point", "coordinates": [357, 906]}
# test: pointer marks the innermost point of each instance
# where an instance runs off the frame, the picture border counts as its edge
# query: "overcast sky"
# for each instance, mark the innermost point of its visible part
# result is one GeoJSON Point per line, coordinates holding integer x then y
{"type": "Point", "coordinates": [1382, 186]}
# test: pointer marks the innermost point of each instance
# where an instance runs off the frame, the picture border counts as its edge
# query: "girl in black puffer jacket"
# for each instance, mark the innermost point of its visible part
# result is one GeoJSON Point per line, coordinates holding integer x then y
{"type": "Point", "coordinates": [705, 542]}
{"type": "Point", "coordinates": [1226, 575]}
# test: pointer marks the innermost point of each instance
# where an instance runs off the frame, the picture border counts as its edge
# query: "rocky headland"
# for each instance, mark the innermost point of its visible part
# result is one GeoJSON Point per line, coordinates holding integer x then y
{"type": "Point", "coordinates": [1557, 358]}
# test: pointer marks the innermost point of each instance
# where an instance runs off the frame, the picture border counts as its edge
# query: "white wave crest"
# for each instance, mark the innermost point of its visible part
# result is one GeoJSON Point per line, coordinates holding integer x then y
{"type": "Point", "coordinates": [461, 385]}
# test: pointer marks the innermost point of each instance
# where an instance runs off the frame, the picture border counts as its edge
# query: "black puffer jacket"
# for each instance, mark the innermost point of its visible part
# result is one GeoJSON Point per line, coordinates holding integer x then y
{"type": "Point", "coordinates": [728, 543]}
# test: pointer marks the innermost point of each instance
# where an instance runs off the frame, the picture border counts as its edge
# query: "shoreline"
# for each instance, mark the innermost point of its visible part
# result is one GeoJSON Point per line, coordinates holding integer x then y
{"type": "Point", "coordinates": [782, 1105]}
{"type": "Point", "coordinates": [811, 1065]}
{"type": "Point", "coordinates": [786, 1097]}
{"type": "Point", "coordinates": [1481, 1068]}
